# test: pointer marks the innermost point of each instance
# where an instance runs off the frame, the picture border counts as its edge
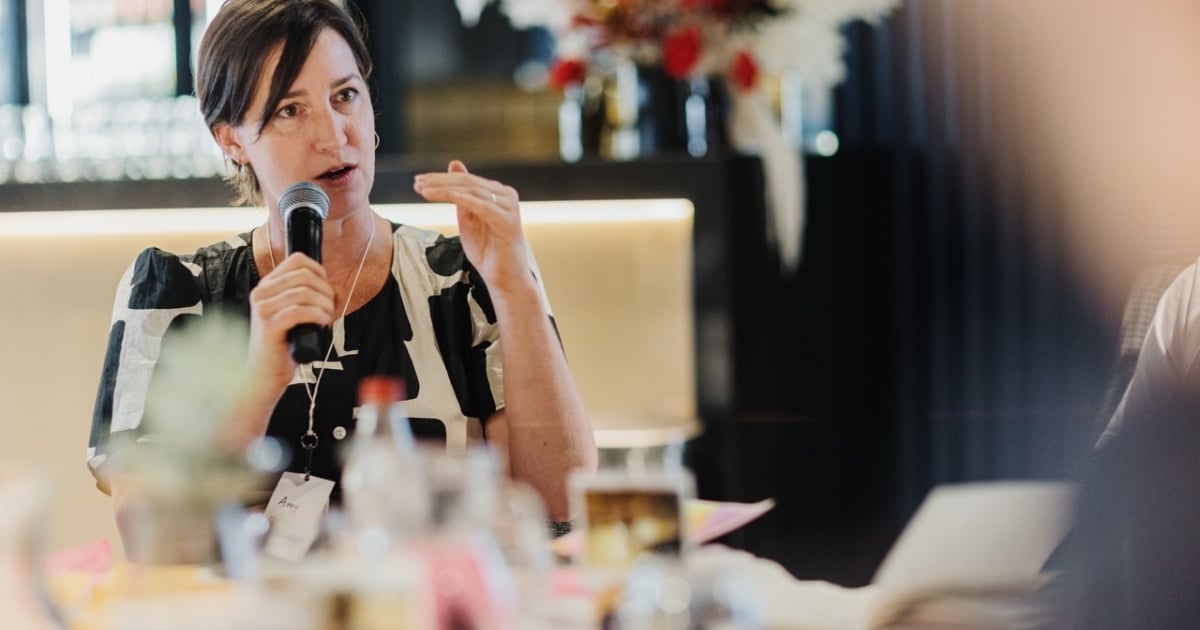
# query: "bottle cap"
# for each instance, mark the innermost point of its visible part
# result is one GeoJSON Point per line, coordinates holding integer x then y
{"type": "Point", "coordinates": [380, 390]}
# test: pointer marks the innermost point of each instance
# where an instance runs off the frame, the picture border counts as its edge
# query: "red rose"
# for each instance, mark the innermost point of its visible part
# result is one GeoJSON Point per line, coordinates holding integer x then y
{"type": "Point", "coordinates": [567, 72]}
{"type": "Point", "coordinates": [743, 71]}
{"type": "Point", "coordinates": [681, 51]}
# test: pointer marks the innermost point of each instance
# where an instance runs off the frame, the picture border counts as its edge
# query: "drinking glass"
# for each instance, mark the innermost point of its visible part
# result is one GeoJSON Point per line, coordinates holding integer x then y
{"type": "Point", "coordinates": [626, 511]}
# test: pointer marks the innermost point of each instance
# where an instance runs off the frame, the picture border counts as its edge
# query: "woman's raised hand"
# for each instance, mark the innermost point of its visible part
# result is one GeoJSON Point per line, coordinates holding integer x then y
{"type": "Point", "coordinates": [489, 223]}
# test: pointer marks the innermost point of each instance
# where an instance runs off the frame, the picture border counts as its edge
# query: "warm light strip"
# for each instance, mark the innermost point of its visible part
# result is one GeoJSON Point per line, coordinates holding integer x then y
{"type": "Point", "coordinates": [183, 220]}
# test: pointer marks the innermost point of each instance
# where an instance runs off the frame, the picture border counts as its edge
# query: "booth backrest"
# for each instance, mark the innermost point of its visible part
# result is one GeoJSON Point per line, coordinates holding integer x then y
{"type": "Point", "coordinates": [621, 292]}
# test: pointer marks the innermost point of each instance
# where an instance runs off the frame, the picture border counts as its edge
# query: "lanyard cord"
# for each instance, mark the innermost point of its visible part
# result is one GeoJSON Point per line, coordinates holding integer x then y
{"type": "Point", "coordinates": [309, 440]}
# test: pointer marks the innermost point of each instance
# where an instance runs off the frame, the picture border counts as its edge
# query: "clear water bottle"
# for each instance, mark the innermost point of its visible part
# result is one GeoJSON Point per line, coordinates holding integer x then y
{"type": "Point", "coordinates": [386, 496]}
{"type": "Point", "coordinates": [471, 558]}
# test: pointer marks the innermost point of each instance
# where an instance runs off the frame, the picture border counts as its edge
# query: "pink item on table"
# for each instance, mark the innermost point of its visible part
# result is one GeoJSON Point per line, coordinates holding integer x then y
{"type": "Point", "coordinates": [94, 559]}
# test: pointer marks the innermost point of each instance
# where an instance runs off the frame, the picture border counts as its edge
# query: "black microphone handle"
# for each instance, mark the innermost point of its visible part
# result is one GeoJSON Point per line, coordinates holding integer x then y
{"type": "Point", "coordinates": [304, 234]}
{"type": "Point", "coordinates": [304, 341]}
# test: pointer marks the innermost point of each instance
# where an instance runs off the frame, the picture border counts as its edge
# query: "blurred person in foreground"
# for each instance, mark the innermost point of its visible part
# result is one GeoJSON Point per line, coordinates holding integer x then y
{"type": "Point", "coordinates": [1134, 557]}
{"type": "Point", "coordinates": [1106, 96]}
{"type": "Point", "coordinates": [283, 87]}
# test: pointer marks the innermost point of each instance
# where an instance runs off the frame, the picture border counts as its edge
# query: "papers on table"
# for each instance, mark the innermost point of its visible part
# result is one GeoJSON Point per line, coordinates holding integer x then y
{"type": "Point", "coordinates": [974, 550]}
{"type": "Point", "coordinates": [971, 556]}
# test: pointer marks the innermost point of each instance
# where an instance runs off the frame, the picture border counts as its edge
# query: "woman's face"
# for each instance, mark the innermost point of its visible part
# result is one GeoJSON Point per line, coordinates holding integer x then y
{"type": "Point", "coordinates": [323, 130]}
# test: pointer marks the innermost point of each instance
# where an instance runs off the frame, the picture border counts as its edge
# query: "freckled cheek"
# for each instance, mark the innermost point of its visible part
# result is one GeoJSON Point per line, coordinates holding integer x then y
{"type": "Point", "coordinates": [366, 126]}
{"type": "Point", "coordinates": [364, 133]}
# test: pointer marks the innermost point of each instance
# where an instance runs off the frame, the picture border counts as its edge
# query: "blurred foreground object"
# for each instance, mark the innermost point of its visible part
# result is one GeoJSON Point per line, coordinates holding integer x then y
{"type": "Point", "coordinates": [971, 557]}
{"type": "Point", "coordinates": [176, 472]}
{"type": "Point", "coordinates": [24, 602]}
{"type": "Point", "coordinates": [386, 492]}
{"type": "Point", "coordinates": [1107, 95]}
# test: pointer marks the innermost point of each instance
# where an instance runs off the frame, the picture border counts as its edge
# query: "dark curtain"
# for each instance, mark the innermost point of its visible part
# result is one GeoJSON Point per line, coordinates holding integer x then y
{"type": "Point", "coordinates": [939, 330]}
{"type": "Point", "coordinates": [1000, 354]}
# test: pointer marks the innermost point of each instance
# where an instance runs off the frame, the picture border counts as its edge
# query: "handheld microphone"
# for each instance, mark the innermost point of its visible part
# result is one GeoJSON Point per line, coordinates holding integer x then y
{"type": "Point", "coordinates": [304, 207]}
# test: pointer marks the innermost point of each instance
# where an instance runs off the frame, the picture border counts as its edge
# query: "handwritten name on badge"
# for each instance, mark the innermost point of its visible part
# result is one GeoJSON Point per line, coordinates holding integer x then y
{"type": "Point", "coordinates": [295, 511]}
{"type": "Point", "coordinates": [284, 503]}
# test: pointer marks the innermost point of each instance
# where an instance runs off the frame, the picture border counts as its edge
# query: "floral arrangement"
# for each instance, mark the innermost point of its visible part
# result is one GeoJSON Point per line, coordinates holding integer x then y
{"type": "Point", "coordinates": [685, 37]}
{"type": "Point", "coordinates": [740, 41]}
{"type": "Point", "coordinates": [735, 39]}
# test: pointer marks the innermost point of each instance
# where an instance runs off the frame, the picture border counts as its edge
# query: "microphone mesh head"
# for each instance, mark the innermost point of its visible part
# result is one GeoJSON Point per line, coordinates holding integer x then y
{"type": "Point", "coordinates": [304, 195]}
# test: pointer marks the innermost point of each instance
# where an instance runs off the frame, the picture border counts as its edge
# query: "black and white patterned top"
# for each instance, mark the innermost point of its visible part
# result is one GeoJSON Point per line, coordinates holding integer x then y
{"type": "Point", "coordinates": [432, 324]}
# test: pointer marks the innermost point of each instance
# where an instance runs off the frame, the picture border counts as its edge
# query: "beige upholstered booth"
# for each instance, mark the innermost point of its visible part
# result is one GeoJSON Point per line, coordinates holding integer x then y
{"type": "Point", "coordinates": [618, 275]}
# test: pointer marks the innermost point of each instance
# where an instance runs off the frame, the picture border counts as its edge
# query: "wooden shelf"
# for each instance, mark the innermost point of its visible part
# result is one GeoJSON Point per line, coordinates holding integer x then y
{"type": "Point", "coordinates": [667, 176]}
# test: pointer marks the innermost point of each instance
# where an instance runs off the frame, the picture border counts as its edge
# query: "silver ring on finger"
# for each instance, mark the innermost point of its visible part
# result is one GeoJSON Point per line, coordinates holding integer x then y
{"type": "Point", "coordinates": [493, 197]}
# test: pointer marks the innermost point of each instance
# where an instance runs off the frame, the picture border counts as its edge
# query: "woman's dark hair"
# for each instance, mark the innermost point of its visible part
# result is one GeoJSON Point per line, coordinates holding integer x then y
{"type": "Point", "coordinates": [234, 50]}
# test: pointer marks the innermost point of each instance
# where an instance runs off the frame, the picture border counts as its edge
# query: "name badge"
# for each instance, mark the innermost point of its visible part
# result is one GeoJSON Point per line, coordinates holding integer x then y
{"type": "Point", "coordinates": [295, 512]}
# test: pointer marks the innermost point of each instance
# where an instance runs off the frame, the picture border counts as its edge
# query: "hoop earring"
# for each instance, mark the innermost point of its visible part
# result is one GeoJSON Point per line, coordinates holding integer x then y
{"type": "Point", "coordinates": [376, 140]}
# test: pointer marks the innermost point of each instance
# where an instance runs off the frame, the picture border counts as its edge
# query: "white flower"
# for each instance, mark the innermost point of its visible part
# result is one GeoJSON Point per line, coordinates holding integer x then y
{"type": "Point", "coordinates": [811, 49]}
{"type": "Point", "coordinates": [838, 12]}
{"type": "Point", "coordinates": [555, 15]}
{"type": "Point", "coordinates": [573, 45]}
{"type": "Point", "coordinates": [805, 39]}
